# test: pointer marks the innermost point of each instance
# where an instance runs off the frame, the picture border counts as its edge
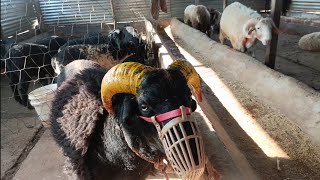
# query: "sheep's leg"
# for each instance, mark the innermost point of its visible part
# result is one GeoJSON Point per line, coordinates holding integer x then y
{"type": "Point", "coordinates": [14, 81]}
{"type": "Point", "coordinates": [222, 37]}
{"type": "Point", "coordinates": [196, 25]}
{"type": "Point", "coordinates": [16, 95]}
{"type": "Point", "coordinates": [209, 32]}
{"type": "Point", "coordinates": [237, 45]}
{"type": "Point", "coordinates": [23, 89]}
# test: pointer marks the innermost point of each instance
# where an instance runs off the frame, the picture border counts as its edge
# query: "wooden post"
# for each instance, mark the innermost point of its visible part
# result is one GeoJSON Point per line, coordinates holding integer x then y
{"type": "Point", "coordinates": [196, 2]}
{"type": "Point", "coordinates": [39, 14]}
{"type": "Point", "coordinates": [225, 3]}
{"type": "Point", "coordinates": [113, 15]}
{"type": "Point", "coordinates": [271, 52]}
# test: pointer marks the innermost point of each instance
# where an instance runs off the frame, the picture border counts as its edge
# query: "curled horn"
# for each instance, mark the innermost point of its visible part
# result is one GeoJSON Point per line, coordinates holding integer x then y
{"type": "Point", "coordinates": [191, 76]}
{"type": "Point", "coordinates": [122, 78]}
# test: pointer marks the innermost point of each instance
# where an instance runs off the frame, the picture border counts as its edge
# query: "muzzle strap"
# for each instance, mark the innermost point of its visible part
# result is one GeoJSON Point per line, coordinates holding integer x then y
{"type": "Point", "coordinates": [167, 115]}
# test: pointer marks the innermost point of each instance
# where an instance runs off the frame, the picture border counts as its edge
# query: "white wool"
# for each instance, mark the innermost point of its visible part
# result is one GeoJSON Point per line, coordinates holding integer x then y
{"type": "Point", "coordinates": [234, 17]}
{"type": "Point", "coordinates": [191, 12]}
{"type": "Point", "coordinates": [310, 42]}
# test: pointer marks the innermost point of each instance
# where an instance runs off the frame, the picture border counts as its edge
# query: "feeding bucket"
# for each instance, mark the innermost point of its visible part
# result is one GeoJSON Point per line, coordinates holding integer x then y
{"type": "Point", "coordinates": [41, 100]}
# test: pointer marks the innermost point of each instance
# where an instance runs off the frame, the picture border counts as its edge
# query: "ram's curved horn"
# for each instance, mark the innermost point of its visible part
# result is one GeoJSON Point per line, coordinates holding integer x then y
{"type": "Point", "coordinates": [122, 78]}
{"type": "Point", "coordinates": [190, 74]}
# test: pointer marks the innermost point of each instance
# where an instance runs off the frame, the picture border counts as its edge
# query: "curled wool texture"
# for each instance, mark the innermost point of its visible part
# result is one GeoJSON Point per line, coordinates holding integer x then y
{"type": "Point", "coordinates": [234, 17]}
{"type": "Point", "coordinates": [199, 16]}
{"type": "Point", "coordinates": [310, 42]}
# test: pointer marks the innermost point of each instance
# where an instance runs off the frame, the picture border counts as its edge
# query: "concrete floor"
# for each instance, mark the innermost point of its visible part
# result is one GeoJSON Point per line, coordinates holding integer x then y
{"type": "Point", "coordinates": [45, 161]}
{"type": "Point", "coordinates": [18, 128]}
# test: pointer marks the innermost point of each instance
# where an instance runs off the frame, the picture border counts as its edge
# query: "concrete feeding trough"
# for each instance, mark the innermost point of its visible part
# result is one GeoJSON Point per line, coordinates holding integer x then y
{"type": "Point", "coordinates": [278, 113]}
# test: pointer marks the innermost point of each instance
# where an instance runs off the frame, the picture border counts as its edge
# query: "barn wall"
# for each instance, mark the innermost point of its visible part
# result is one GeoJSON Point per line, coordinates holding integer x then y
{"type": "Point", "coordinates": [254, 4]}
{"type": "Point", "coordinates": [305, 5]}
{"type": "Point", "coordinates": [60, 12]}
{"type": "Point", "coordinates": [128, 10]}
{"type": "Point", "coordinates": [16, 16]}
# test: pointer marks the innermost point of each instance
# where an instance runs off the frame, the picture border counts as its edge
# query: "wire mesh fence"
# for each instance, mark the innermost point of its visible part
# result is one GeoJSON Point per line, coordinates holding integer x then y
{"type": "Point", "coordinates": [81, 30]}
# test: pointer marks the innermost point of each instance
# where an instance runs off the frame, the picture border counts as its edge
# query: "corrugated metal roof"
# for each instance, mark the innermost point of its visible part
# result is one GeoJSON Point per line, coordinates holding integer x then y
{"type": "Point", "coordinates": [305, 5]}
{"type": "Point", "coordinates": [16, 16]}
{"type": "Point", "coordinates": [67, 12]}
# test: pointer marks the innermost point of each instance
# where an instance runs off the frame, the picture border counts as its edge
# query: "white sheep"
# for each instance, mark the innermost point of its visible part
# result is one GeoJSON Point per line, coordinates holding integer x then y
{"type": "Point", "coordinates": [243, 26]}
{"type": "Point", "coordinates": [198, 17]}
{"type": "Point", "coordinates": [310, 42]}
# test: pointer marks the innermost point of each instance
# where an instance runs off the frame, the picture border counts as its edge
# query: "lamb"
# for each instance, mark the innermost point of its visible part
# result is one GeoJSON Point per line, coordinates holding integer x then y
{"type": "Point", "coordinates": [243, 26]}
{"type": "Point", "coordinates": [198, 17]}
{"type": "Point", "coordinates": [102, 133]}
{"type": "Point", "coordinates": [310, 42]}
{"type": "Point", "coordinates": [23, 61]}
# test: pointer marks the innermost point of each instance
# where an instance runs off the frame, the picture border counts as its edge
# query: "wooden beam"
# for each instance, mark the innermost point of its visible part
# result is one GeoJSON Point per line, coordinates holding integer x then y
{"type": "Point", "coordinates": [225, 3]}
{"type": "Point", "coordinates": [113, 15]}
{"type": "Point", "coordinates": [271, 52]}
{"type": "Point", "coordinates": [39, 14]}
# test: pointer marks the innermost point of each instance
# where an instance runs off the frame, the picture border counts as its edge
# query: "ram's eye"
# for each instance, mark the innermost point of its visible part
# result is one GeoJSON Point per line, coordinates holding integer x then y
{"type": "Point", "coordinates": [144, 107]}
{"type": "Point", "coordinates": [258, 28]}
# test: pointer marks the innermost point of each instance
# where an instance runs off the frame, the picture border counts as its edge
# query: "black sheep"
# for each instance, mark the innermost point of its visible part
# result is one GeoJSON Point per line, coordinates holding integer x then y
{"type": "Point", "coordinates": [118, 144]}
{"type": "Point", "coordinates": [104, 54]}
{"type": "Point", "coordinates": [92, 40]}
{"type": "Point", "coordinates": [121, 45]}
{"type": "Point", "coordinates": [5, 46]}
{"type": "Point", "coordinates": [23, 61]}
{"type": "Point", "coordinates": [53, 43]}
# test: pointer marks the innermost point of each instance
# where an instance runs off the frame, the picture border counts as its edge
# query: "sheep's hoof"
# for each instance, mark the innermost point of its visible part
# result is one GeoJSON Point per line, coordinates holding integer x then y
{"type": "Point", "coordinates": [231, 49]}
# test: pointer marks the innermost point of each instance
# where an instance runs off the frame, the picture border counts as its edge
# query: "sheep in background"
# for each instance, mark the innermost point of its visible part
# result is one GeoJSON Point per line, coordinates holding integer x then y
{"type": "Point", "coordinates": [74, 68]}
{"type": "Point", "coordinates": [24, 61]}
{"type": "Point", "coordinates": [198, 17]}
{"type": "Point", "coordinates": [104, 54]}
{"type": "Point", "coordinates": [94, 40]}
{"type": "Point", "coordinates": [53, 43]}
{"type": "Point", "coordinates": [117, 38]}
{"type": "Point", "coordinates": [96, 118]}
{"type": "Point", "coordinates": [122, 45]}
{"type": "Point", "coordinates": [215, 17]}
{"type": "Point", "coordinates": [310, 42]}
{"type": "Point", "coordinates": [5, 46]}
{"type": "Point", "coordinates": [243, 26]}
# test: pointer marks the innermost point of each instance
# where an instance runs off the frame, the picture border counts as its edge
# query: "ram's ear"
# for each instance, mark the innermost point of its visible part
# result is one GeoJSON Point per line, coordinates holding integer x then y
{"type": "Point", "coordinates": [272, 25]}
{"type": "Point", "coordinates": [125, 106]}
{"type": "Point", "coordinates": [249, 28]}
